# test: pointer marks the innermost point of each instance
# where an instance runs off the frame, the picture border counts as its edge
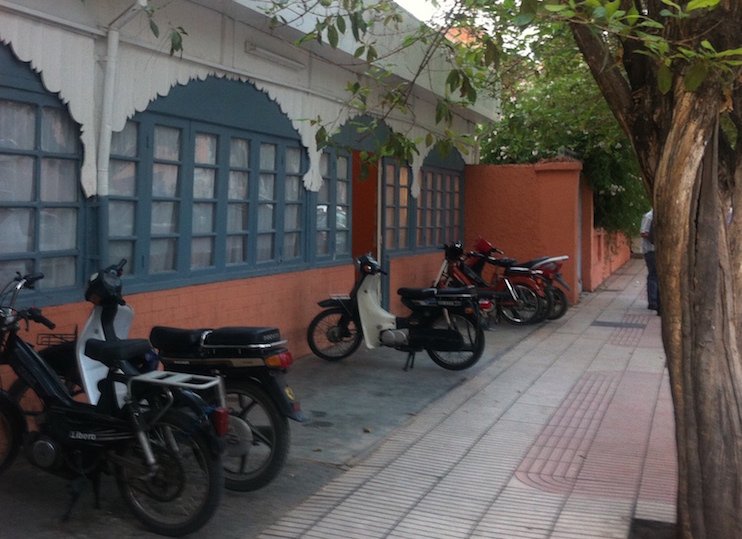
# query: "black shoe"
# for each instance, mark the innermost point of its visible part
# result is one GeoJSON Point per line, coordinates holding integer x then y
{"type": "Point", "coordinates": [653, 308]}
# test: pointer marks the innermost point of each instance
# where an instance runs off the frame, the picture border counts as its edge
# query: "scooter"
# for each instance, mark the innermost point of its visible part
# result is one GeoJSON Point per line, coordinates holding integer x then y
{"type": "Point", "coordinates": [444, 322]}
{"type": "Point", "coordinates": [253, 362]}
{"type": "Point", "coordinates": [162, 442]}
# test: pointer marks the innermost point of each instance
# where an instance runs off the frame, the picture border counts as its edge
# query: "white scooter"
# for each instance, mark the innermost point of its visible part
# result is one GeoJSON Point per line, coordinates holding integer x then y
{"type": "Point", "coordinates": [443, 322]}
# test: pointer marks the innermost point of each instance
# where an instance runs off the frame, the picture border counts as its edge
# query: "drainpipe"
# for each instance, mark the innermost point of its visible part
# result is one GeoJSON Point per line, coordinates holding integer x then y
{"type": "Point", "coordinates": [104, 135]}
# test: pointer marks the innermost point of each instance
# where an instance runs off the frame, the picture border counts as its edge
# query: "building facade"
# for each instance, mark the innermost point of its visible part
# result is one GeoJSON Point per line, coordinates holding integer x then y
{"type": "Point", "coordinates": [201, 169]}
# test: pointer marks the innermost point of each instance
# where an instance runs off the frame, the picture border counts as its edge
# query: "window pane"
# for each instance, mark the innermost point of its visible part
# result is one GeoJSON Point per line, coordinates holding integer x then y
{"type": "Point", "coordinates": [17, 125]}
{"type": "Point", "coordinates": [267, 187]}
{"type": "Point", "coordinates": [203, 183]}
{"type": "Point", "coordinates": [342, 167]}
{"type": "Point", "coordinates": [390, 221]}
{"type": "Point", "coordinates": [122, 178]}
{"type": "Point", "coordinates": [16, 178]}
{"type": "Point", "coordinates": [236, 249]}
{"type": "Point", "coordinates": [237, 217]}
{"type": "Point", "coordinates": [122, 249]}
{"type": "Point", "coordinates": [403, 176]}
{"type": "Point", "coordinates": [164, 180]}
{"type": "Point", "coordinates": [402, 237]}
{"type": "Point", "coordinates": [239, 153]}
{"type": "Point", "coordinates": [323, 245]}
{"type": "Point", "coordinates": [291, 245]}
{"type": "Point", "coordinates": [341, 217]}
{"type": "Point", "coordinates": [265, 217]}
{"type": "Point", "coordinates": [324, 164]}
{"type": "Point", "coordinates": [291, 217]}
{"type": "Point", "coordinates": [323, 195]}
{"type": "Point", "coordinates": [58, 229]}
{"type": "Point", "coordinates": [267, 157]}
{"type": "Point", "coordinates": [402, 216]}
{"type": "Point", "coordinates": [322, 216]}
{"type": "Point", "coordinates": [164, 217]}
{"type": "Point", "coordinates": [202, 253]}
{"type": "Point", "coordinates": [390, 195]}
{"type": "Point", "coordinates": [9, 268]}
{"type": "Point", "coordinates": [342, 192]}
{"type": "Point", "coordinates": [58, 132]}
{"type": "Point", "coordinates": [403, 196]}
{"type": "Point", "coordinates": [58, 180]}
{"type": "Point", "coordinates": [58, 272]}
{"type": "Point", "coordinates": [121, 218]}
{"type": "Point", "coordinates": [341, 242]}
{"type": "Point", "coordinates": [293, 188]}
{"type": "Point", "coordinates": [203, 218]}
{"type": "Point", "coordinates": [238, 185]}
{"type": "Point", "coordinates": [162, 255]}
{"type": "Point", "coordinates": [390, 174]}
{"type": "Point", "coordinates": [205, 151]}
{"type": "Point", "coordinates": [124, 142]}
{"type": "Point", "coordinates": [167, 143]}
{"type": "Point", "coordinates": [293, 160]}
{"type": "Point", "coordinates": [17, 230]}
{"type": "Point", "coordinates": [265, 247]}
{"type": "Point", "coordinates": [389, 238]}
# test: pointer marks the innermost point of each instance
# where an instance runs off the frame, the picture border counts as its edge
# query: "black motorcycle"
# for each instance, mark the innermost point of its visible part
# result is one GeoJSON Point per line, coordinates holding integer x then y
{"type": "Point", "coordinates": [153, 431]}
{"type": "Point", "coordinates": [444, 322]}
{"type": "Point", "coordinates": [252, 360]}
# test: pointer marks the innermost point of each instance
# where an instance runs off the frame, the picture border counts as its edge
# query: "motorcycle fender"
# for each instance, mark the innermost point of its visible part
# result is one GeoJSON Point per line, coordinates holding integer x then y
{"type": "Point", "coordinates": [282, 394]}
{"type": "Point", "coordinates": [336, 302]}
{"type": "Point", "coordinates": [561, 281]}
{"type": "Point", "coordinates": [199, 407]}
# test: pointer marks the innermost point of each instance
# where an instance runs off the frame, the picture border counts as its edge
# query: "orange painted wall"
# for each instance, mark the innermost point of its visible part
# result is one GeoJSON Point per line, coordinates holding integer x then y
{"type": "Point", "coordinates": [527, 211]}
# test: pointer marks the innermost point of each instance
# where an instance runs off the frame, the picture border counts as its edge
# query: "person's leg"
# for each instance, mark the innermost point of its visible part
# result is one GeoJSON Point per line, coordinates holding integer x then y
{"type": "Point", "coordinates": [653, 295]}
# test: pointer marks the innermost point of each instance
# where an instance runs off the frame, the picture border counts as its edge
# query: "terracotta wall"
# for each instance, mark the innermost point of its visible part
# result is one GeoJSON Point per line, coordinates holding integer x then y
{"type": "Point", "coordinates": [527, 211]}
{"type": "Point", "coordinates": [542, 210]}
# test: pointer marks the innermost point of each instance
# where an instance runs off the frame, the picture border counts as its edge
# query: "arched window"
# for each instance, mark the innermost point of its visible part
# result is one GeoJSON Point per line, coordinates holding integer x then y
{"type": "Point", "coordinates": [40, 195]}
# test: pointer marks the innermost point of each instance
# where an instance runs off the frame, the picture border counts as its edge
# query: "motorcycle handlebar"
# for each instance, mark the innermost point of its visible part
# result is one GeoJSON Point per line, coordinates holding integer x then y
{"type": "Point", "coordinates": [34, 314]}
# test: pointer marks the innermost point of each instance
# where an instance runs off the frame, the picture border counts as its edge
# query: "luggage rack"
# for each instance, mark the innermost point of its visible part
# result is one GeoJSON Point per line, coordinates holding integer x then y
{"type": "Point", "coordinates": [193, 382]}
{"type": "Point", "coordinates": [50, 339]}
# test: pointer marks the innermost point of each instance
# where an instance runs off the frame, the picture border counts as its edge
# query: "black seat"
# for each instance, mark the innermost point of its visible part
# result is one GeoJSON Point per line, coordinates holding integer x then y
{"type": "Point", "coordinates": [113, 353]}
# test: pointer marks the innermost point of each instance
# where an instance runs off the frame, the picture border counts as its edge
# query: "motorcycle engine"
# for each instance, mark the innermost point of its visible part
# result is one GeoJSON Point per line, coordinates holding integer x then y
{"type": "Point", "coordinates": [43, 452]}
{"type": "Point", "coordinates": [394, 337]}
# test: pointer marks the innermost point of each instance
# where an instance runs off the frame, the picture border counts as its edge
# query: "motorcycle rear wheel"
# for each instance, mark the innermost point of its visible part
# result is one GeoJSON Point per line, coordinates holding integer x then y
{"type": "Point", "coordinates": [560, 303]}
{"type": "Point", "coordinates": [473, 336]}
{"type": "Point", "coordinates": [269, 433]}
{"type": "Point", "coordinates": [185, 489]}
{"type": "Point", "coordinates": [526, 310]}
{"type": "Point", "coordinates": [333, 335]}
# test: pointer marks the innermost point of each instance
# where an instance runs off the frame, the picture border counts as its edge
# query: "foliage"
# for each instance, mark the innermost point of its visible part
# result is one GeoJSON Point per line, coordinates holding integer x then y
{"type": "Point", "coordinates": [552, 107]}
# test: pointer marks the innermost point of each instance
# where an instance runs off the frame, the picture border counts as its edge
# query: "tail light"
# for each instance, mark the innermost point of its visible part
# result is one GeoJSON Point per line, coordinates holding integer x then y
{"type": "Point", "coordinates": [282, 360]}
{"type": "Point", "coordinates": [486, 305]}
{"type": "Point", "coordinates": [220, 420]}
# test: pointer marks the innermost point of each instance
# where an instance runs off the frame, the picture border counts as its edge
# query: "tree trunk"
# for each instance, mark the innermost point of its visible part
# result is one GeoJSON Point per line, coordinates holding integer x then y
{"type": "Point", "coordinates": [699, 321]}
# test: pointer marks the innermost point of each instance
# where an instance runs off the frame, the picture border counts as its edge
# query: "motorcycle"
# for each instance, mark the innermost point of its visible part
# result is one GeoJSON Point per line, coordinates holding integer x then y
{"type": "Point", "coordinates": [252, 360]}
{"type": "Point", "coordinates": [519, 295]}
{"type": "Point", "coordinates": [550, 273]}
{"type": "Point", "coordinates": [158, 433]}
{"type": "Point", "coordinates": [443, 322]}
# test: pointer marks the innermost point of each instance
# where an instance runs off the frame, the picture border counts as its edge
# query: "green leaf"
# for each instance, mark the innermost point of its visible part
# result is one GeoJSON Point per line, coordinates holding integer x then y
{"type": "Point", "coordinates": [340, 23]}
{"type": "Point", "coordinates": [632, 16]}
{"type": "Point", "coordinates": [729, 52]}
{"type": "Point", "coordinates": [154, 28]}
{"type": "Point", "coordinates": [359, 51]}
{"type": "Point", "coordinates": [650, 23]}
{"type": "Point", "coordinates": [671, 4]}
{"type": "Point", "coordinates": [696, 74]}
{"type": "Point", "coordinates": [701, 4]}
{"type": "Point", "coordinates": [332, 36]}
{"type": "Point", "coordinates": [555, 8]}
{"type": "Point", "coordinates": [707, 45]}
{"type": "Point", "coordinates": [453, 80]}
{"type": "Point", "coordinates": [664, 79]}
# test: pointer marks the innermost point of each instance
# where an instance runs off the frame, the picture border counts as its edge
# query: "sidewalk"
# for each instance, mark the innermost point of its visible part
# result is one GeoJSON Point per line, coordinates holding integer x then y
{"type": "Point", "coordinates": [569, 434]}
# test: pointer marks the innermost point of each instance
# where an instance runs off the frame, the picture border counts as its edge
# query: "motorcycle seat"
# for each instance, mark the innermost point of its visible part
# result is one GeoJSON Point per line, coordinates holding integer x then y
{"type": "Point", "coordinates": [114, 353]}
{"type": "Point", "coordinates": [513, 270]}
{"type": "Point", "coordinates": [417, 293]}
{"type": "Point", "coordinates": [502, 262]}
{"type": "Point", "coordinates": [533, 262]}
{"type": "Point", "coordinates": [461, 291]}
{"type": "Point", "coordinates": [177, 340]}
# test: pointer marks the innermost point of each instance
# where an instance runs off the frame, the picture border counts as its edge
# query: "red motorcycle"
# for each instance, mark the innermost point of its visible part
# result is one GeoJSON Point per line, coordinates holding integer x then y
{"type": "Point", "coordinates": [549, 268]}
{"type": "Point", "coordinates": [516, 294]}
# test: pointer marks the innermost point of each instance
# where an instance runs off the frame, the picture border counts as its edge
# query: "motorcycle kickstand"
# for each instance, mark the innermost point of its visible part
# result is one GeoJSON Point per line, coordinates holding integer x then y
{"type": "Point", "coordinates": [410, 363]}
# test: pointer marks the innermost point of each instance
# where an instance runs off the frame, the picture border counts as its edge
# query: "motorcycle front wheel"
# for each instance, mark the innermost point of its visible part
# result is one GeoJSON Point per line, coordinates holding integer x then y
{"type": "Point", "coordinates": [183, 491]}
{"type": "Point", "coordinates": [333, 335]}
{"type": "Point", "coordinates": [472, 334]}
{"type": "Point", "coordinates": [559, 305]}
{"type": "Point", "coordinates": [526, 310]}
{"type": "Point", "coordinates": [254, 457]}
